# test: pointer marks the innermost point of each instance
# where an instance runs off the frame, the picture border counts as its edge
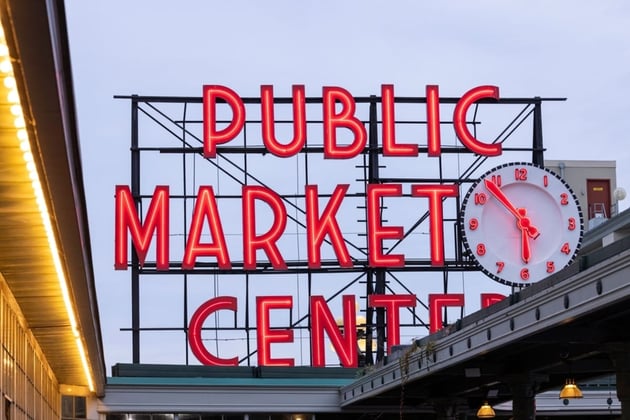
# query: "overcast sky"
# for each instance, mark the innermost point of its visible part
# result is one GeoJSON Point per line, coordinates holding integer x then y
{"type": "Point", "coordinates": [573, 49]}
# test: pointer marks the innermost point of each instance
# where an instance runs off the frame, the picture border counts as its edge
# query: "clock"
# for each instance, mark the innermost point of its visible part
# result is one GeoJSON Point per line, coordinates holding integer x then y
{"type": "Point", "coordinates": [521, 223]}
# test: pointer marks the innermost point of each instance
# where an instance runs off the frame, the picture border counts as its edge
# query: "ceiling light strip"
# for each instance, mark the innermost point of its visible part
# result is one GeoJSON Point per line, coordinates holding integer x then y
{"type": "Point", "coordinates": [6, 70]}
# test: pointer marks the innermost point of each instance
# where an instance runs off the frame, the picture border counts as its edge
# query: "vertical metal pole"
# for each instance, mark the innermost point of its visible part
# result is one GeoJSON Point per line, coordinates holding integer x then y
{"type": "Point", "coordinates": [309, 287]}
{"type": "Point", "coordinates": [459, 244]}
{"type": "Point", "coordinates": [380, 316]}
{"type": "Point", "coordinates": [445, 290]}
{"type": "Point", "coordinates": [537, 143]}
{"type": "Point", "coordinates": [135, 273]}
{"type": "Point", "coordinates": [247, 324]}
{"type": "Point", "coordinates": [186, 318]}
{"type": "Point", "coordinates": [369, 316]}
{"type": "Point", "coordinates": [379, 273]}
{"type": "Point", "coordinates": [186, 224]}
{"type": "Point", "coordinates": [369, 280]}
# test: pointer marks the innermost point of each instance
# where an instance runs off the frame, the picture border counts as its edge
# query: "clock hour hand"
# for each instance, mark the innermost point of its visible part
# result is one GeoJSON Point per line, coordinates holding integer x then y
{"type": "Point", "coordinates": [526, 252]}
{"type": "Point", "coordinates": [523, 222]}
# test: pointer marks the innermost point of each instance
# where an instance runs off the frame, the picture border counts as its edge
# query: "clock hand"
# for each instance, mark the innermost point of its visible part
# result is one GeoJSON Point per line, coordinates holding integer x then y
{"type": "Point", "coordinates": [499, 195]}
{"type": "Point", "coordinates": [526, 252]}
{"type": "Point", "coordinates": [524, 223]}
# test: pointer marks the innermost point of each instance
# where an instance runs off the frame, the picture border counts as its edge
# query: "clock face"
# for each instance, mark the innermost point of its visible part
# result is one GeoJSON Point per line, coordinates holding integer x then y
{"type": "Point", "coordinates": [521, 223]}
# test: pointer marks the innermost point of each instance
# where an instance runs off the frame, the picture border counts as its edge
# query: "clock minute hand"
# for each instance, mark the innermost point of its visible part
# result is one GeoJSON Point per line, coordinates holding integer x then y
{"type": "Point", "coordinates": [524, 223]}
{"type": "Point", "coordinates": [498, 194]}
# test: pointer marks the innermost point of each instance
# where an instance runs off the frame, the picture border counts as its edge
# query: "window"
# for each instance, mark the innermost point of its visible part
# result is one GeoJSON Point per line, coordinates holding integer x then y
{"type": "Point", "coordinates": [73, 407]}
{"type": "Point", "coordinates": [7, 408]}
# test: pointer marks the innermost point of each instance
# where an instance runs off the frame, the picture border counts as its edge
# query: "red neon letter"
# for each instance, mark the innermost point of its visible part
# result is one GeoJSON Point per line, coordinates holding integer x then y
{"type": "Point", "coordinates": [434, 143]}
{"type": "Point", "coordinates": [345, 344]}
{"type": "Point", "coordinates": [268, 121]}
{"type": "Point", "coordinates": [459, 120]}
{"type": "Point", "coordinates": [127, 221]}
{"type": "Point", "coordinates": [206, 209]}
{"type": "Point", "coordinates": [390, 148]}
{"type": "Point", "coordinates": [377, 232]}
{"type": "Point", "coordinates": [266, 241]}
{"type": "Point", "coordinates": [392, 304]}
{"type": "Point", "coordinates": [345, 119]}
{"type": "Point", "coordinates": [265, 335]}
{"type": "Point", "coordinates": [317, 228]}
{"type": "Point", "coordinates": [212, 136]}
{"type": "Point", "coordinates": [437, 302]}
{"type": "Point", "coordinates": [194, 331]}
{"type": "Point", "coordinates": [435, 193]}
{"type": "Point", "coordinates": [488, 299]}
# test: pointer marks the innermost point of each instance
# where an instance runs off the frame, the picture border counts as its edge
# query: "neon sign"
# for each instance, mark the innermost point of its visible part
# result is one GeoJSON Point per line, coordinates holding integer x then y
{"type": "Point", "coordinates": [320, 225]}
{"type": "Point", "coordinates": [344, 340]}
{"type": "Point", "coordinates": [343, 136]}
{"type": "Point", "coordinates": [334, 97]}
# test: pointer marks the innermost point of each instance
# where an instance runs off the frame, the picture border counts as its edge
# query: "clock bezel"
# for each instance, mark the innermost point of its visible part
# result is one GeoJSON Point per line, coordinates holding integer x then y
{"type": "Point", "coordinates": [469, 245]}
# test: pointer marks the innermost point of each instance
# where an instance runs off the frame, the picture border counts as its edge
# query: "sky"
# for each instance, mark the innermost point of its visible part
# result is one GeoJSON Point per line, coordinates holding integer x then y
{"type": "Point", "coordinates": [577, 50]}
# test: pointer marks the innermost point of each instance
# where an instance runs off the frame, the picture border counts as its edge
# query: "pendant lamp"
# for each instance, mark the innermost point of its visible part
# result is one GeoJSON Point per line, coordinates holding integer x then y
{"type": "Point", "coordinates": [570, 390]}
{"type": "Point", "coordinates": [485, 411]}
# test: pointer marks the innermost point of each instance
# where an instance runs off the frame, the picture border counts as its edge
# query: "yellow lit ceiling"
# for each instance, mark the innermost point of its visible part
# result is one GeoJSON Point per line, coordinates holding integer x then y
{"type": "Point", "coordinates": [45, 253]}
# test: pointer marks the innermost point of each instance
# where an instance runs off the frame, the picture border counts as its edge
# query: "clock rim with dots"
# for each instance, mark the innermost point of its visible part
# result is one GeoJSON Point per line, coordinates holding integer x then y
{"type": "Point", "coordinates": [495, 243]}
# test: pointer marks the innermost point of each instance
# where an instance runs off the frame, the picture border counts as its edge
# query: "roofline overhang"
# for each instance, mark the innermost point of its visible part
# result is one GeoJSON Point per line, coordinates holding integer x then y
{"type": "Point", "coordinates": [36, 33]}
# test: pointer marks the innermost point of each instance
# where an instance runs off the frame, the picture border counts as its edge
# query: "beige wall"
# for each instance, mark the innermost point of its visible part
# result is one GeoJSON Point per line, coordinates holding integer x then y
{"type": "Point", "coordinates": [576, 172]}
